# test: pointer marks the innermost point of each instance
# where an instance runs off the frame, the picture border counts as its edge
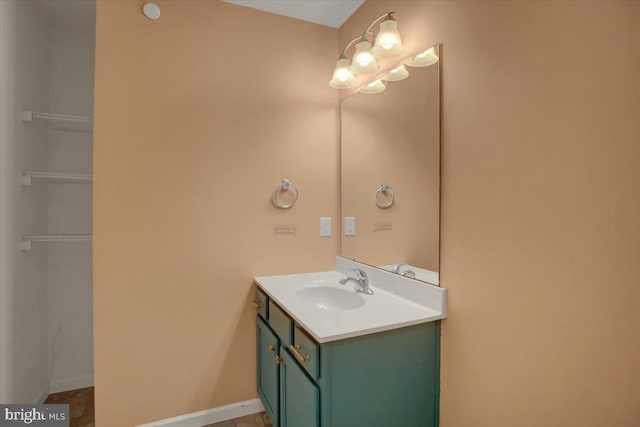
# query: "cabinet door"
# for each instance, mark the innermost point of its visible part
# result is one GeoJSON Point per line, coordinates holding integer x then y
{"type": "Point", "coordinates": [299, 396]}
{"type": "Point", "coordinates": [268, 352]}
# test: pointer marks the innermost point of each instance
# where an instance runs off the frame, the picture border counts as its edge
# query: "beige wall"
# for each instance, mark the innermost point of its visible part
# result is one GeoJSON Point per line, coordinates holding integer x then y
{"type": "Point", "coordinates": [540, 201]}
{"type": "Point", "coordinates": [541, 208]}
{"type": "Point", "coordinates": [199, 115]}
{"type": "Point", "coordinates": [393, 137]}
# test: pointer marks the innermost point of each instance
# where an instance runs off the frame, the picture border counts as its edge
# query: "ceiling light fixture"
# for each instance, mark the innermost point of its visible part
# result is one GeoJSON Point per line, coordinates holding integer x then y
{"type": "Point", "coordinates": [151, 10]}
{"type": "Point", "coordinates": [386, 43]}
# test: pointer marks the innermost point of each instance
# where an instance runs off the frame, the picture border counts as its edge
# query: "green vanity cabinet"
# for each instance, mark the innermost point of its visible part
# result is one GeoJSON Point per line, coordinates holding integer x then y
{"type": "Point", "coordinates": [389, 378]}
{"type": "Point", "coordinates": [299, 396]}
{"type": "Point", "coordinates": [268, 349]}
{"type": "Point", "coordinates": [260, 303]}
{"type": "Point", "coordinates": [382, 379]}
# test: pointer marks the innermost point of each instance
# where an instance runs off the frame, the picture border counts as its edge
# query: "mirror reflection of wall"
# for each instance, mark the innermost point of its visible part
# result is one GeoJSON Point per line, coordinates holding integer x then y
{"type": "Point", "coordinates": [393, 137]}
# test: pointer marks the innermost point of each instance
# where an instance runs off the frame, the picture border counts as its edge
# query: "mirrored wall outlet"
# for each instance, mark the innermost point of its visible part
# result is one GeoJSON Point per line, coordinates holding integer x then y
{"type": "Point", "coordinates": [349, 226]}
{"type": "Point", "coordinates": [325, 226]}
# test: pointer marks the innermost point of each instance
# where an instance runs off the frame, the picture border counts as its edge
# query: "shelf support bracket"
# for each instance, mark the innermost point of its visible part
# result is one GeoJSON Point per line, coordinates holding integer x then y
{"type": "Point", "coordinates": [25, 245]}
{"type": "Point", "coordinates": [26, 116]}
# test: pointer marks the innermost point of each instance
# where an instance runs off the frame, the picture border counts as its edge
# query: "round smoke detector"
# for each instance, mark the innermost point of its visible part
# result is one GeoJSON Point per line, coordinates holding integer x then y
{"type": "Point", "coordinates": [151, 10]}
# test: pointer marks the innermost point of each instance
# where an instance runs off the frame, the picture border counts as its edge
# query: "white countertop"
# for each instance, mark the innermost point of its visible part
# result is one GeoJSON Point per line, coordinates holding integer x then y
{"type": "Point", "coordinates": [397, 302]}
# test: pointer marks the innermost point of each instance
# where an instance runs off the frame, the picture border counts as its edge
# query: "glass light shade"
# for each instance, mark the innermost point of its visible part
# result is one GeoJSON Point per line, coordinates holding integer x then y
{"type": "Point", "coordinates": [397, 74]}
{"type": "Point", "coordinates": [363, 61]}
{"type": "Point", "coordinates": [342, 77]}
{"type": "Point", "coordinates": [424, 59]}
{"type": "Point", "coordinates": [375, 86]}
{"type": "Point", "coordinates": [388, 41]}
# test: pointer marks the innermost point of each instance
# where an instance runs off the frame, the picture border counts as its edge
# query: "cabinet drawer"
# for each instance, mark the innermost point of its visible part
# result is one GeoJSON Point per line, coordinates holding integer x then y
{"type": "Point", "coordinates": [306, 351]}
{"type": "Point", "coordinates": [260, 301]}
{"type": "Point", "coordinates": [281, 324]}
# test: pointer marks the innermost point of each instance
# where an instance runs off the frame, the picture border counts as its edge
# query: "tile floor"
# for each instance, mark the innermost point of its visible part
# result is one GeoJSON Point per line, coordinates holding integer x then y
{"type": "Point", "coordinates": [254, 420]}
{"type": "Point", "coordinates": [81, 407]}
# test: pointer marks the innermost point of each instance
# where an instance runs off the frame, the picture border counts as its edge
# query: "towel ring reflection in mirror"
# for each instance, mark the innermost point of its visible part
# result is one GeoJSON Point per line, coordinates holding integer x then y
{"type": "Point", "coordinates": [286, 185]}
{"type": "Point", "coordinates": [384, 188]}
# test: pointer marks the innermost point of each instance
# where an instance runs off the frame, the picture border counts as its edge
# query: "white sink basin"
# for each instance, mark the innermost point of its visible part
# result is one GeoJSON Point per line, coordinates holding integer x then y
{"type": "Point", "coordinates": [328, 298]}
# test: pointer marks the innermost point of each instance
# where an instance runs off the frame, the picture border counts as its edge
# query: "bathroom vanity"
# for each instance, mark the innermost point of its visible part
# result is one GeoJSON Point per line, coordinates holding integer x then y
{"type": "Point", "coordinates": [328, 356]}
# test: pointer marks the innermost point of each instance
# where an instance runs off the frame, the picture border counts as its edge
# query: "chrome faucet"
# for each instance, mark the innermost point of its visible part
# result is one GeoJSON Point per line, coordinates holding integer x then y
{"type": "Point", "coordinates": [361, 280]}
{"type": "Point", "coordinates": [406, 273]}
{"type": "Point", "coordinates": [397, 268]}
{"type": "Point", "coordinates": [409, 273]}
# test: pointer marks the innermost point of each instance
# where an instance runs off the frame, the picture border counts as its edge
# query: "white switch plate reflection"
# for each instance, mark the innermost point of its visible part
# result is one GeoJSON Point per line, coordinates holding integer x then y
{"type": "Point", "coordinates": [349, 226]}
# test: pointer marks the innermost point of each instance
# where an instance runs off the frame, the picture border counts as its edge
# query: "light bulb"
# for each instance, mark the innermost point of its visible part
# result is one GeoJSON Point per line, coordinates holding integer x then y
{"type": "Point", "coordinates": [342, 77]}
{"type": "Point", "coordinates": [363, 61]}
{"type": "Point", "coordinates": [375, 86]}
{"type": "Point", "coordinates": [423, 59]}
{"type": "Point", "coordinates": [388, 42]}
{"type": "Point", "coordinates": [397, 74]}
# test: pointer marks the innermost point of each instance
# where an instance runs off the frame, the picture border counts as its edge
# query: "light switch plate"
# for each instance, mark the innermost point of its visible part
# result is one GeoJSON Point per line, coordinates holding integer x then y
{"type": "Point", "coordinates": [325, 226]}
{"type": "Point", "coordinates": [349, 226]}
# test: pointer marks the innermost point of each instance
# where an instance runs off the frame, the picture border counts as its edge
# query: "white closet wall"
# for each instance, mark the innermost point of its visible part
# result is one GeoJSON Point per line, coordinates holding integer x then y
{"type": "Point", "coordinates": [46, 328]}
{"type": "Point", "coordinates": [24, 53]}
{"type": "Point", "coordinates": [71, 54]}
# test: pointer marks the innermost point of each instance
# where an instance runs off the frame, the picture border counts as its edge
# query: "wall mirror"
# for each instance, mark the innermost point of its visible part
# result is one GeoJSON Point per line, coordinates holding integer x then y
{"type": "Point", "coordinates": [390, 173]}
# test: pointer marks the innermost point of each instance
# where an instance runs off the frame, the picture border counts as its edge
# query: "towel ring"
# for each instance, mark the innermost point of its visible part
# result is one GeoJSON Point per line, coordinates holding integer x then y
{"type": "Point", "coordinates": [284, 186]}
{"type": "Point", "coordinates": [383, 189]}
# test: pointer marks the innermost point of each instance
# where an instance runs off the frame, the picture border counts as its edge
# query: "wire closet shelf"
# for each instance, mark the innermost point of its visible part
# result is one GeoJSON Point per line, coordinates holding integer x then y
{"type": "Point", "coordinates": [55, 177]}
{"type": "Point", "coordinates": [60, 121]}
{"type": "Point", "coordinates": [25, 245]}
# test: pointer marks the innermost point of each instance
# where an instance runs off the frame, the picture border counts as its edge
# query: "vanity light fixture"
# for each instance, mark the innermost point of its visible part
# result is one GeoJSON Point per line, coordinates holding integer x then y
{"type": "Point", "coordinates": [423, 59]}
{"type": "Point", "coordinates": [342, 77]}
{"type": "Point", "coordinates": [397, 74]}
{"type": "Point", "coordinates": [387, 43]}
{"type": "Point", "coordinates": [375, 86]}
{"type": "Point", "coordinates": [363, 61]}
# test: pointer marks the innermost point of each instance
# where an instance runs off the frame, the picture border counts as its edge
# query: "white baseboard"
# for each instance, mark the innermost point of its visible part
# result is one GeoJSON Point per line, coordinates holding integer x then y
{"type": "Point", "coordinates": [71, 383]}
{"type": "Point", "coordinates": [42, 396]}
{"type": "Point", "coordinates": [210, 416]}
